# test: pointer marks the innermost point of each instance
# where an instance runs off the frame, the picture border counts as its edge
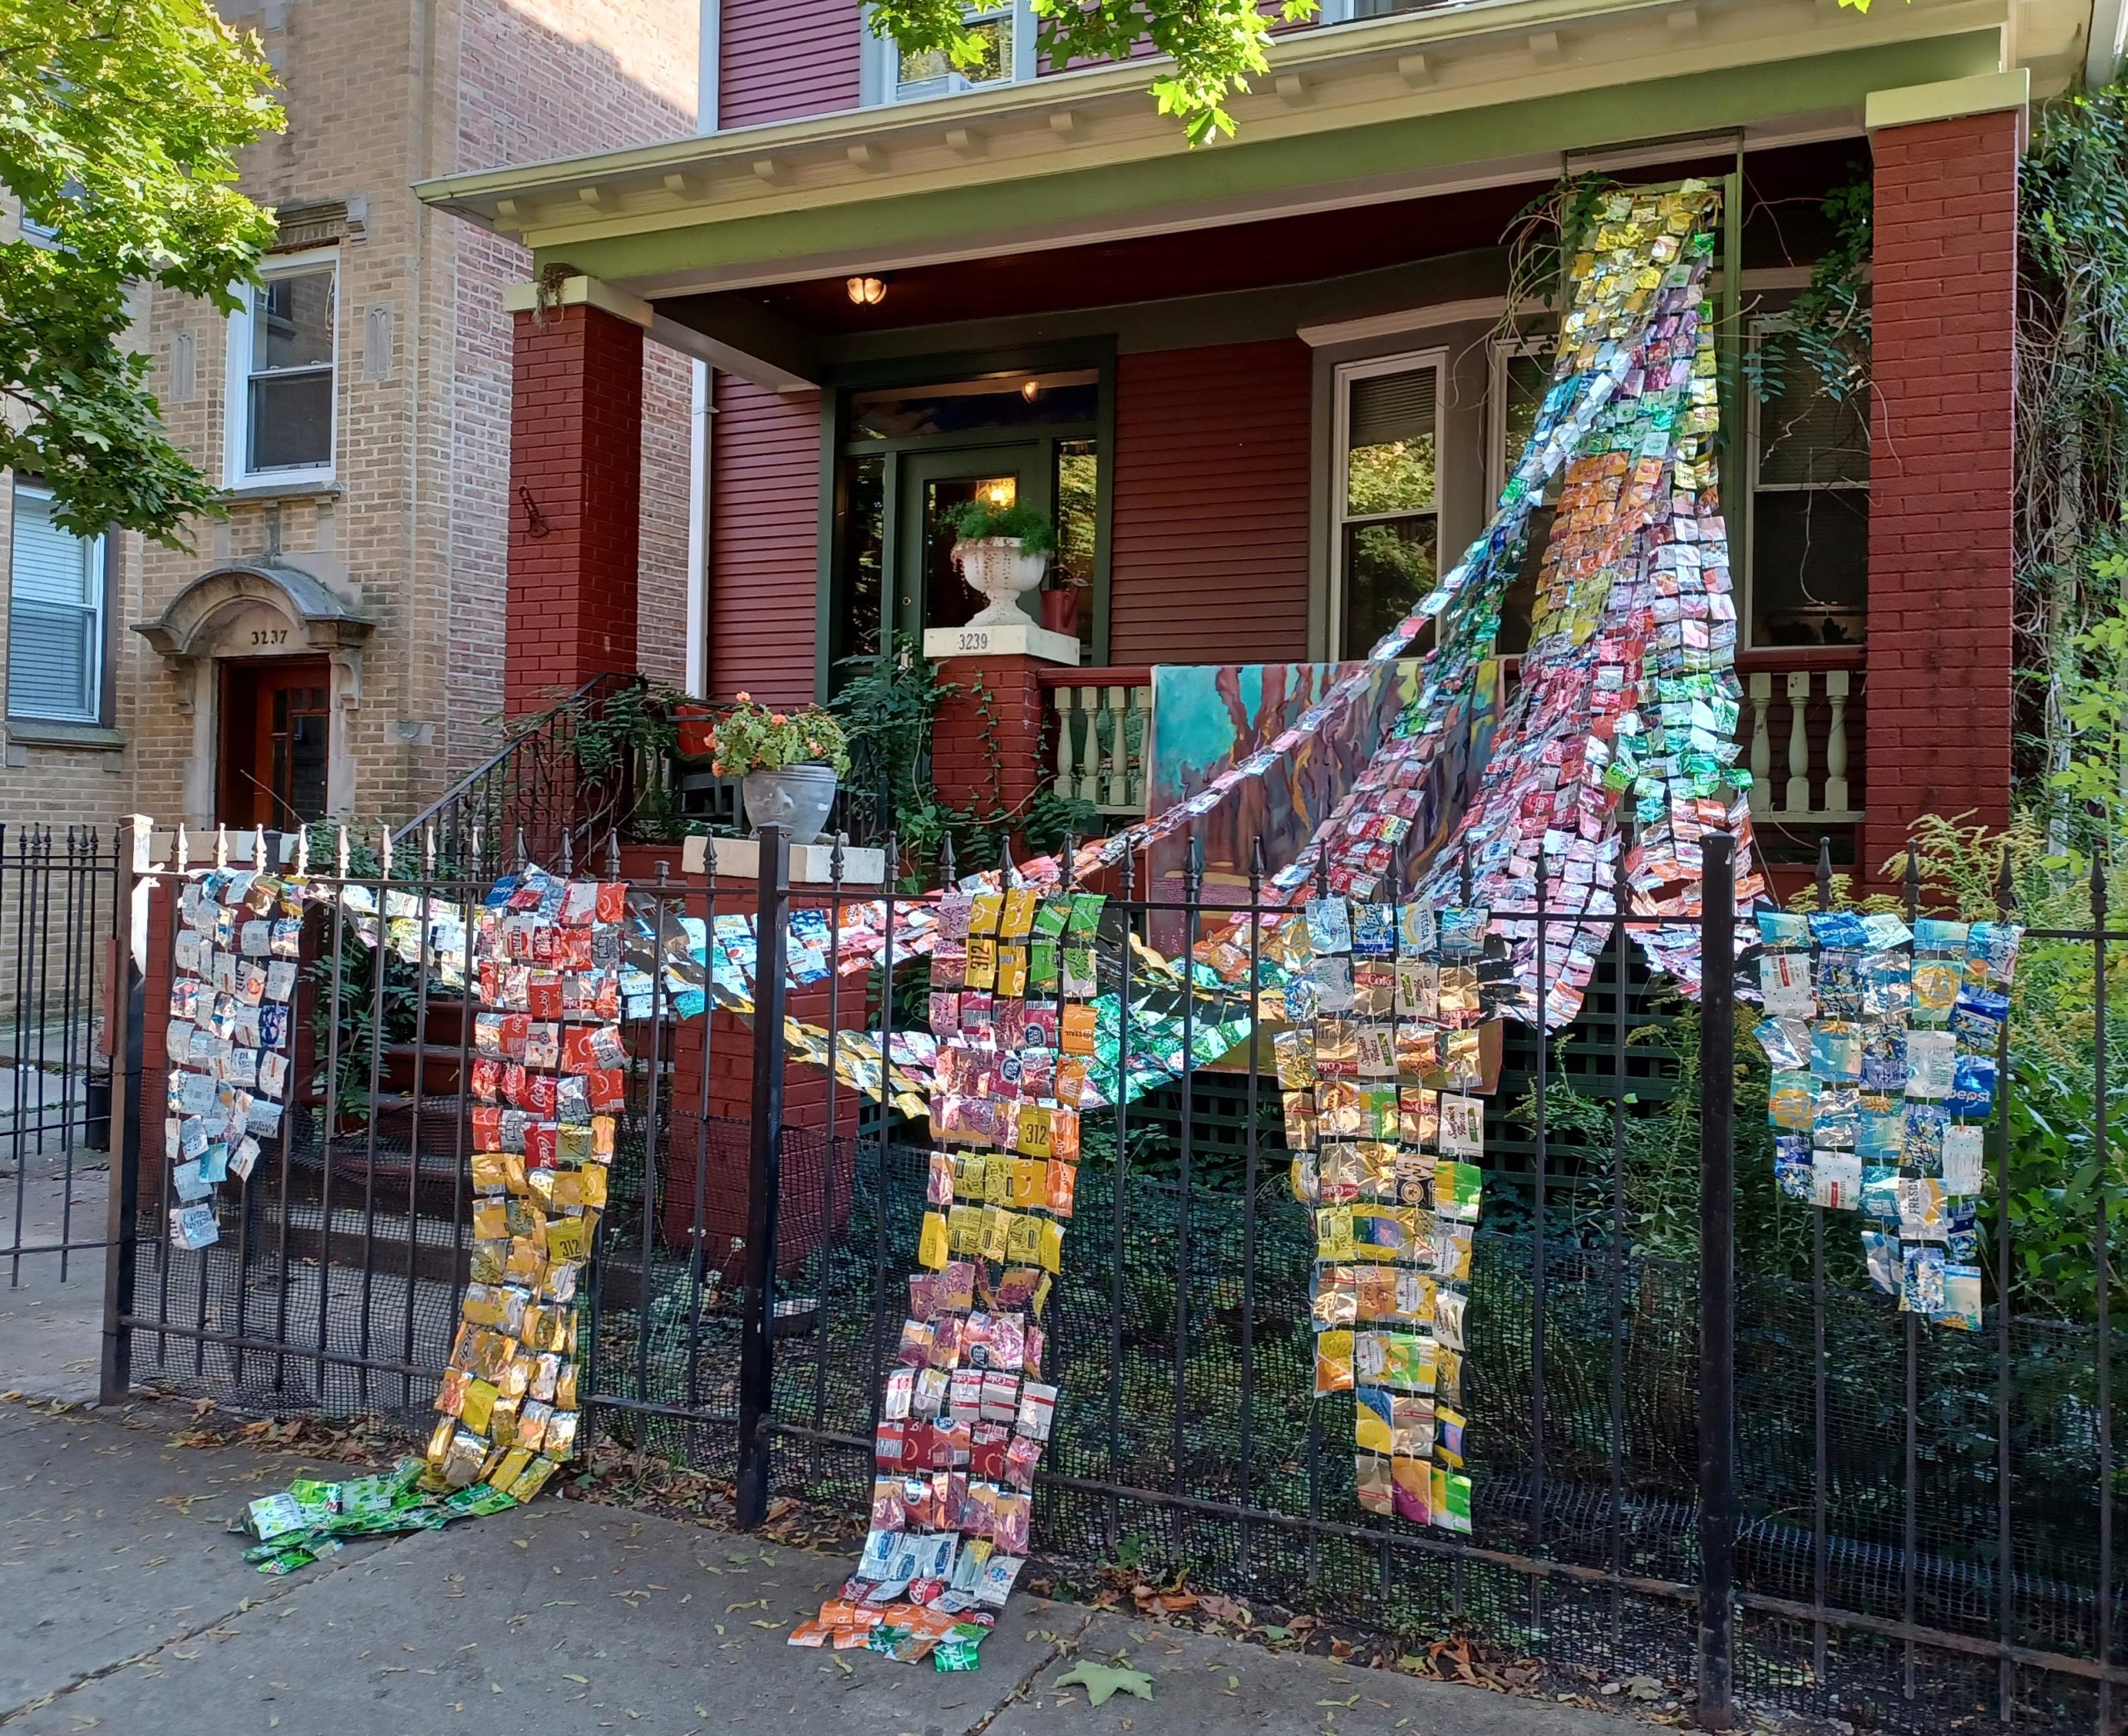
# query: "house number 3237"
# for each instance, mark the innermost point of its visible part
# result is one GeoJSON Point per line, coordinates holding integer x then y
{"type": "Point", "coordinates": [269, 635]}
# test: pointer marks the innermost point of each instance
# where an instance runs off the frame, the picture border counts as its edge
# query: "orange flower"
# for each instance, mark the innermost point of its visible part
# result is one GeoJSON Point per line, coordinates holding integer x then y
{"type": "Point", "coordinates": [777, 717]}
{"type": "Point", "coordinates": [745, 697]}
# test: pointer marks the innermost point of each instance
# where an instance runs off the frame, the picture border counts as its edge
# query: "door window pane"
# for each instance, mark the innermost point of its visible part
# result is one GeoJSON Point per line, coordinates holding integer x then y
{"type": "Point", "coordinates": [862, 545]}
{"type": "Point", "coordinates": [948, 599]}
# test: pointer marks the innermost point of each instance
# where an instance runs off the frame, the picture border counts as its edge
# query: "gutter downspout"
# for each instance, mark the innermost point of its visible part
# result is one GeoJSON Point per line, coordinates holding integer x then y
{"type": "Point", "coordinates": [702, 408]}
{"type": "Point", "coordinates": [2109, 38]}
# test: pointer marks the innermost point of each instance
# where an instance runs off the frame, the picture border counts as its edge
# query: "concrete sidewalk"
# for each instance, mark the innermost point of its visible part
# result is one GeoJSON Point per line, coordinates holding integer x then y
{"type": "Point", "coordinates": [124, 1605]}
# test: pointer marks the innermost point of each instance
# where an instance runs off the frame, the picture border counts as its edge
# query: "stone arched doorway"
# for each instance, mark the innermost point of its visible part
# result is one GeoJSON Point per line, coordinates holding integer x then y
{"type": "Point", "coordinates": [268, 661]}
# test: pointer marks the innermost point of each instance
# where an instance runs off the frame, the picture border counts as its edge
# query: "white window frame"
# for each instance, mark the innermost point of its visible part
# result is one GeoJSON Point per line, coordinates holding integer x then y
{"type": "Point", "coordinates": [236, 414]}
{"type": "Point", "coordinates": [99, 554]}
{"type": "Point", "coordinates": [1744, 560]}
{"type": "Point", "coordinates": [1342, 377]}
{"type": "Point", "coordinates": [1505, 350]}
{"type": "Point", "coordinates": [881, 71]}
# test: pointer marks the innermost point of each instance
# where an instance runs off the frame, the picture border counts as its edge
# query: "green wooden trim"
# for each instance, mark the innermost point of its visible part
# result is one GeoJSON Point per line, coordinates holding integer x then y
{"type": "Point", "coordinates": [1573, 121]}
{"type": "Point", "coordinates": [1104, 502]}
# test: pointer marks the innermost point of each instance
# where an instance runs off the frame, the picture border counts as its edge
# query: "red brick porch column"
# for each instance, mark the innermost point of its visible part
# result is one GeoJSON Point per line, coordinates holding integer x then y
{"type": "Point", "coordinates": [575, 477]}
{"type": "Point", "coordinates": [987, 741]}
{"type": "Point", "coordinates": [1945, 290]}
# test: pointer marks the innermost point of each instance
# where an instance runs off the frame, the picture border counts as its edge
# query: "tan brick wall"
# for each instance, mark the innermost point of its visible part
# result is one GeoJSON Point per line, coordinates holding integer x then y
{"type": "Point", "coordinates": [380, 93]}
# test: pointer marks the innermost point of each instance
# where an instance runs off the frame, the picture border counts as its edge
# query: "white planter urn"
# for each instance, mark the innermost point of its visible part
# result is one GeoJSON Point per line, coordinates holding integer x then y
{"type": "Point", "coordinates": [997, 568]}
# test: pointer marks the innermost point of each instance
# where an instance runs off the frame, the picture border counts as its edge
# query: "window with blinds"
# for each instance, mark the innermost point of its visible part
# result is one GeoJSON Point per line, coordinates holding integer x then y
{"type": "Point", "coordinates": [1808, 570]}
{"type": "Point", "coordinates": [1388, 522]}
{"type": "Point", "coordinates": [55, 617]}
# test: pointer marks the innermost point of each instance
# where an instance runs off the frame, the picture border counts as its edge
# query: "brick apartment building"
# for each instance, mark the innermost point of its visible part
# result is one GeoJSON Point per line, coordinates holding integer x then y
{"type": "Point", "coordinates": [914, 285]}
{"type": "Point", "coordinates": [336, 645]}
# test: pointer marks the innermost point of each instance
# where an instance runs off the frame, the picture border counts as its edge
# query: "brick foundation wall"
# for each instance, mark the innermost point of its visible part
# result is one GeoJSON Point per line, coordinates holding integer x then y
{"type": "Point", "coordinates": [1941, 585]}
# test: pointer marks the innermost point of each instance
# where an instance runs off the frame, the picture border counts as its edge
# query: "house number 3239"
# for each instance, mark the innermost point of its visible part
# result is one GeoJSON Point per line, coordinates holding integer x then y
{"type": "Point", "coordinates": [269, 635]}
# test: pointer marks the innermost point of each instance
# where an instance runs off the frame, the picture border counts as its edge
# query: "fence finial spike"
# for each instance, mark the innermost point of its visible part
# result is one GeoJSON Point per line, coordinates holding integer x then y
{"type": "Point", "coordinates": [946, 860]}
{"type": "Point", "coordinates": [184, 849]}
{"type": "Point", "coordinates": [1129, 865]}
{"type": "Point", "coordinates": [2098, 888]}
{"type": "Point", "coordinates": [340, 850]}
{"type": "Point", "coordinates": [524, 861]}
{"type": "Point", "coordinates": [835, 846]}
{"type": "Point", "coordinates": [1911, 882]}
{"type": "Point", "coordinates": [474, 861]}
{"type": "Point", "coordinates": [1068, 861]}
{"type": "Point", "coordinates": [428, 853]}
{"type": "Point", "coordinates": [2006, 883]}
{"type": "Point", "coordinates": [384, 852]}
{"type": "Point", "coordinates": [1463, 873]}
{"type": "Point", "coordinates": [1825, 871]}
{"type": "Point", "coordinates": [569, 857]}
{"type": "Point", "coordinates": [612, 853]}
{"type": "Point", "coordinates": [302, 853]}
{"type": "Point", "coordinates": [221, 847]}
{"type": "Point", "coordinates": [1192, 865]}
{"type": "Point", "coordinates": [258, 848]}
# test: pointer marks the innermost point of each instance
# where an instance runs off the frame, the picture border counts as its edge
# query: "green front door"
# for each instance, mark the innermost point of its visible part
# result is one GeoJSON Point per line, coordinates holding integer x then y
{"type": "Point", "coordinates": [925, 589]}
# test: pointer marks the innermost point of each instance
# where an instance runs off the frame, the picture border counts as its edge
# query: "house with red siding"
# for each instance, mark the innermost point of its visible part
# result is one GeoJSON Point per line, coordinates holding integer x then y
{"type": "Point", "coordinates": [1267, 387]}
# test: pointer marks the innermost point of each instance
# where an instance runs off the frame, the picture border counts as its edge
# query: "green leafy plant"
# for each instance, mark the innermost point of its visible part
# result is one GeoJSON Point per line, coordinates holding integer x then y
{"type": "Point", "coordinates": [979, 519]}
{"type": "Point", "coordinates": [1214, 44]}
{"type": "Point", "coordinates": [119, 132]}
{"type": "Point", "coordinates": [2071, 426]}
{"type": "Point", "coordinates": [750, 738]}
{"type": "Point", "coordinates": [1826, 327]}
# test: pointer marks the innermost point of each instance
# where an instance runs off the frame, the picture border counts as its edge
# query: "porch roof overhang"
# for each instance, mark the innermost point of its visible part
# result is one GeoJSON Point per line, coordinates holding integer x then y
{"type": "Point", "coordinates": [1486, 93]}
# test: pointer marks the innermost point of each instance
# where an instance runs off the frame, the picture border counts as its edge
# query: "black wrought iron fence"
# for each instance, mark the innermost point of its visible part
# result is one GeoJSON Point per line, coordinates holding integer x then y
{"type": "Point", "coordinates": [1708, 1458]}
{"type": "Point", "coordinates": [57, 929]}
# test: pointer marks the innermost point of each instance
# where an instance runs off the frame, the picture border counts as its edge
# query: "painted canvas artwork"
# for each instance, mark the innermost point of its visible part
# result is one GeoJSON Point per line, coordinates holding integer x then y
{"type": "Point", "coordinates": [1207, 716]}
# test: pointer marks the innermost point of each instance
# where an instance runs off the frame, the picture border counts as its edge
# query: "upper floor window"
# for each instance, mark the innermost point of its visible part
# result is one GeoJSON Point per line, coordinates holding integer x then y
{"type": "Point", "coordinates": [1006, 28]}
{"type": "Point", "coordinates": [1808, 576]}
{"type": "Point", "coordinates": [55, 616]}
{"type": "Point", "coordinates": [1384, 522]}
{"type": "Point", "coordinates": [284, 348]}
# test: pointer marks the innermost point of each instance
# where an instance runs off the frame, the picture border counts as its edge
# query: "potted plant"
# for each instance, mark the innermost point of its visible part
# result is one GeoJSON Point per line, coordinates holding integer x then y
{"type": "Point", "coordinates": [1002, 552]}
{"type": "Point", "coordinates": [788, 762]}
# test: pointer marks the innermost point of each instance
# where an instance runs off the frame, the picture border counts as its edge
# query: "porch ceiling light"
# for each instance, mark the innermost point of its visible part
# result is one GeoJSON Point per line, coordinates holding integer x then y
{"type": "Point", "coordinates": [1030, 390]}
{"type": "Point", "coordinates": [866, 291]}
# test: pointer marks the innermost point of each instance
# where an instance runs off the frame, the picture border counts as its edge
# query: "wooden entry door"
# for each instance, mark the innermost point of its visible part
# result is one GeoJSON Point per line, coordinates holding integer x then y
{"type": "Point", "coordinates": [277, 720]}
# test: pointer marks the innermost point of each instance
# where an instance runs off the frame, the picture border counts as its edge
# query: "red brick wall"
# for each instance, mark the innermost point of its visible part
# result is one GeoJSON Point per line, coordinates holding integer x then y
{"type": "Point", "coordinates": [987, 750]}
{"type": "Point", "coordinates": [783, 58]}
{"type": "Point", "coordinates": [1945, 290]}
{"type": "Point", "coordinates": [764, 539]}
{"type": "Point", "coordinates": [576, 472]}
{"type": "Point", "coordinates": [1209, 542]}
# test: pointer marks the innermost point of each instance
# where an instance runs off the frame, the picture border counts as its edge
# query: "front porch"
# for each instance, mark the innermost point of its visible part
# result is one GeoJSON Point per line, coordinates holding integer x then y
{"type": "Point", "coordinates": [1268, 391]}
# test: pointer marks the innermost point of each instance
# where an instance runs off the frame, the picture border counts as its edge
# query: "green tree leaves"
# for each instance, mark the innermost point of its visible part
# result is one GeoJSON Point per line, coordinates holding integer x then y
{"type": "Point", "coordinates": [119, 123]}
